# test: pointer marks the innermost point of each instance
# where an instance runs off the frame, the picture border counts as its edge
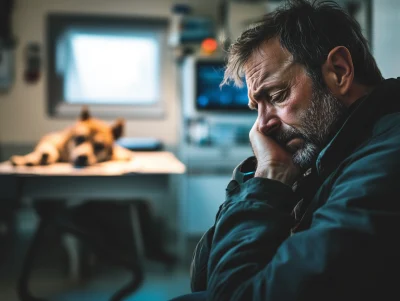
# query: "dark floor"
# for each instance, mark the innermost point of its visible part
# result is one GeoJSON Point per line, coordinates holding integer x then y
{"type": "Point", "coordinates": [50, 279]}
{"type": "Point", "coordinates": [157, 286]}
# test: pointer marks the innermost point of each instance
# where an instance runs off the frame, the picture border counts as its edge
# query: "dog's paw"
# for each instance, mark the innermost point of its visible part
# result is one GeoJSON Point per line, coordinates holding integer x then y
{"type": "Point", "coordinates": [27, 160]}
{"type": "Point", "coordinates": [17, 161]}
{"type": "Point", "coordinates": [13, 162]}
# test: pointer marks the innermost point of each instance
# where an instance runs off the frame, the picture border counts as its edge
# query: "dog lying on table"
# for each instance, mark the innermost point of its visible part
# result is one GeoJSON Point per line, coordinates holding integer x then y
{"type": "Point", "coordinates": [87, 142]}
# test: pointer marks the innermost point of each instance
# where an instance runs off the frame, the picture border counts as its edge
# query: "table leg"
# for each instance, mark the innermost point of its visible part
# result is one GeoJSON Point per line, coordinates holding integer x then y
{"type": "Point", "coordinates": [71, 244]}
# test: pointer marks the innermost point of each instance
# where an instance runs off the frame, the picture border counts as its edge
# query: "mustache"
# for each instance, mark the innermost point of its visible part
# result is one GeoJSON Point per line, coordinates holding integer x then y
{"type": "Point", "coordinates": [283, 136]}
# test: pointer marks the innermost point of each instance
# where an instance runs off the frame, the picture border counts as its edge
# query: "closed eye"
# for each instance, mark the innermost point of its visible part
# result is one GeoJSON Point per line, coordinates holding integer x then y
{"type": "Point", "coordinates": [80, 139]}
{"type": "Point", "coordinates": [278, 96]}
{"type": "Point", "coordinates": [98, 146]}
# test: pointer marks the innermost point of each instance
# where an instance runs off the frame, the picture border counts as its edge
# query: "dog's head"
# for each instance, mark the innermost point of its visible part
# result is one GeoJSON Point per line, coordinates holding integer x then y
{"type": "Point", "coordinates": [92, 140]}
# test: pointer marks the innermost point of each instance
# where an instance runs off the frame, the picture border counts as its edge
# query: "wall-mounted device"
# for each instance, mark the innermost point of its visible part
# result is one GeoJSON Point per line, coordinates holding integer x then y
{"type": "Point", "coordinates": [223, 111]}
{"type": "Point", "coordinates": [209, 96]}
{"type": "Point", "coordinates": [7, 63]}
{"type": "Point", "coordinates": [32, 63]}
{"type": "Point", "coordinates": [7, 45]}
{"type": "Point", "coordinates": [202, 95]}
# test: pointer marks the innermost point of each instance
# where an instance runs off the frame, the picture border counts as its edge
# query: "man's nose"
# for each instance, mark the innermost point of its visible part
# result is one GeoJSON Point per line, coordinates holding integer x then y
{"type": "Point", "coordinates": [268, 121]}
{"type": "Point", "coordinates": [268, 126]}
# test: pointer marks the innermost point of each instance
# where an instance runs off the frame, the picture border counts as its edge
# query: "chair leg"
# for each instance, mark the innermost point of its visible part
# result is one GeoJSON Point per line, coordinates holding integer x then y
{"type": "Point", "coordinates": [137, 233]}
{"type": "Point", "coordinates": [71, 244]}
{"type": "Point", "coordinates": [23, 282]}
{"type": "Point", "coordinates": [137, 270]}
{"type": "Point", "coordinates": [132, 286]}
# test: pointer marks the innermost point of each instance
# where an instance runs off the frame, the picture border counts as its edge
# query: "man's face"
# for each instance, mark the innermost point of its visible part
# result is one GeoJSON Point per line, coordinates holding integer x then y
{"type": "Point", "coordinates": [298, 114]}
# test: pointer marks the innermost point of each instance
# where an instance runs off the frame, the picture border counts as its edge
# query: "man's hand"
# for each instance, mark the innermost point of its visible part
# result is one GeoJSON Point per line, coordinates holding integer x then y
{"type": "Point", "coordinates": [274, 162]}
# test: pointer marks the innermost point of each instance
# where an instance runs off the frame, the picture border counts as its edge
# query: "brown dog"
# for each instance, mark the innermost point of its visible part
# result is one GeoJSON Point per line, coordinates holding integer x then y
{"type": "Point", "coordinates": [87, 142]}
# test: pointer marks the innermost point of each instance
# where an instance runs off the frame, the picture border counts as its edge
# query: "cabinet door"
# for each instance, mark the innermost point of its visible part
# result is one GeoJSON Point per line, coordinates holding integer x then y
{"type": "Point", "coordinates": [204, 195]}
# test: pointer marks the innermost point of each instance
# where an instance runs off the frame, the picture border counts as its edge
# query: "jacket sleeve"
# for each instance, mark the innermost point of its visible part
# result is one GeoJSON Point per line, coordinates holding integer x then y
{"type": "Point", "coordinates": [201, 254]}
{"type": "Point", "coordinates": [346, 254]}
{"type": "Point", "coordinates": [198, 268]}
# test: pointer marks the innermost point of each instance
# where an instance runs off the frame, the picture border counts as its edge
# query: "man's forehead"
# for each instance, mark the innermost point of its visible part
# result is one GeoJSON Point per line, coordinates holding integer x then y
{"type": "Point", "coordinates": [269, 58]}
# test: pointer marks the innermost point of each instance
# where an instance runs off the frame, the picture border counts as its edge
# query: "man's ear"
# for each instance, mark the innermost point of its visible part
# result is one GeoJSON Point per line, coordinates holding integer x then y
{"type": "Point", "coordinates": [85, 115]}
{"type": "Point", "coordinates": [338, 71]}
{"type": "Point", "coordinates": [117, 128]}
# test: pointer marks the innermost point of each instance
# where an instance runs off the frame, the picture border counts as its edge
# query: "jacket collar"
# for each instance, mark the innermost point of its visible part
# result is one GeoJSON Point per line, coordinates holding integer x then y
{"type": "Point", "coordinates": [384, 99]}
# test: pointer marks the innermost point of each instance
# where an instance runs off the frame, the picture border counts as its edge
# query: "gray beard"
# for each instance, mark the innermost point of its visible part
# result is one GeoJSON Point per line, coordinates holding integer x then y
{"type": "Point", "coordinates": [318, 125]}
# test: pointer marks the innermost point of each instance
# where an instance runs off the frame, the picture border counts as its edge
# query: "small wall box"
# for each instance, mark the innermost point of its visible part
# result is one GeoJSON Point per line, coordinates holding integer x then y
{"type": "Point", "coordinates": [7, 61]}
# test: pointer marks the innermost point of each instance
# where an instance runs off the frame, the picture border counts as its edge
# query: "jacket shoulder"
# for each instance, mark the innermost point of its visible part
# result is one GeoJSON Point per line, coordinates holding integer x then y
{"type": "Point", "coordinates": [389, 122]}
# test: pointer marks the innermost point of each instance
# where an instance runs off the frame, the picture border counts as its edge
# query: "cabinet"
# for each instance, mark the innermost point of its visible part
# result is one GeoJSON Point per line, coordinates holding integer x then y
{"type": "Point", "coordinates": [205, 194]}
{"type": "Point", "coordinates": [209, 170]}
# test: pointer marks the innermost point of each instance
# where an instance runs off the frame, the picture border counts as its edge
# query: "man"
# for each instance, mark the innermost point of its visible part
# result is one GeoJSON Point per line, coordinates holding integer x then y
{"type": "Point", "coordinates": [320, 218]}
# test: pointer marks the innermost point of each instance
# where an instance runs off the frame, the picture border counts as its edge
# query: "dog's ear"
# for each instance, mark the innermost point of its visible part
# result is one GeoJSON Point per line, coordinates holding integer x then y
{"type": "Point", "coordinates": [118, 128]}
{"type": "Point", "coordinates": [85, 115]}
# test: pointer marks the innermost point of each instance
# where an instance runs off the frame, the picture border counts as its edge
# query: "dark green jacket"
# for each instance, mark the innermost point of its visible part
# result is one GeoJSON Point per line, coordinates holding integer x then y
{"type": "Point", "coordinates": [335, 238]}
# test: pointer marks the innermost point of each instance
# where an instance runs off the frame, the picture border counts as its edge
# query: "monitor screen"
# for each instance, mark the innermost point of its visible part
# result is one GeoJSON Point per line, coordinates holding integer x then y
{"type": "Point", "coordinates": [209, 95]}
